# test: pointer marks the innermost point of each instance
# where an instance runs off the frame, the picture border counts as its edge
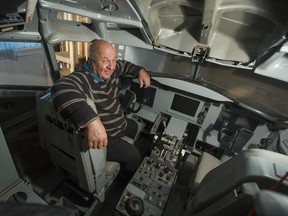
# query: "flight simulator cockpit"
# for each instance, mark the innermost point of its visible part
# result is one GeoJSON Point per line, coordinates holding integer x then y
{"type": "Point", "coordinates": [213, 122]}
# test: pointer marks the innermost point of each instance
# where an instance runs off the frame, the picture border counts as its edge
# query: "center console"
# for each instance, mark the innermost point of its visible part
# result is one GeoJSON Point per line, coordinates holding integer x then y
{"type": "Point", "coordinates": [148, 191]}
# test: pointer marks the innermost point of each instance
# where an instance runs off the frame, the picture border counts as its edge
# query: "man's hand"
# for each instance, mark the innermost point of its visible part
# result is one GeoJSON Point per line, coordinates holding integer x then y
{"type": "Point", "coordinates": [96, 134]}
{"type": "Point", "coordinates": [144, 79]}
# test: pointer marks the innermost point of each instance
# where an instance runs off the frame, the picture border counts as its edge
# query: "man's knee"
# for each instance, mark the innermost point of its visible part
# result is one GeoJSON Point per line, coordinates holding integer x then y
{"type": "Point", "coordinates": [126, 154]}
{"type": "Point", "coordinates": [133, 160]}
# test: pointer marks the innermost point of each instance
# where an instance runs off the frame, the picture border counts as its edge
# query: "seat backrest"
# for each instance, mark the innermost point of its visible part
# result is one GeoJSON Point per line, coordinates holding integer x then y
{"type": "Point", "coordinates": [205, 163]}
{"type": "Point", "coordinates": [11, 184]}
{"type": "Point", "coordinates": [7, 163]}
{"type": "Point", "coordinates": [69, 150]}
{"type": "Point", "coordinates": [258, 166]}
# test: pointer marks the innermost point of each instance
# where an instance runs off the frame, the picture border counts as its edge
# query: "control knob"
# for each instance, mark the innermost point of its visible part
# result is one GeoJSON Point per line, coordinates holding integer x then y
{"type": "Point", "coordinates": [135, 206]}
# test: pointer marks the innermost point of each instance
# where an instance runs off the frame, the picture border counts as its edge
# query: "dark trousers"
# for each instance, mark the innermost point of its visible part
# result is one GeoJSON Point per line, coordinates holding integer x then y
{"type": "Point", "coordinates": [123, 152]}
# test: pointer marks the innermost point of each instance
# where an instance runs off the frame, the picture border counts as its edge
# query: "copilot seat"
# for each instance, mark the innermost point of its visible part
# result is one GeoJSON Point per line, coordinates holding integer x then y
{"type": "Point", "coordinates": [230, 188]}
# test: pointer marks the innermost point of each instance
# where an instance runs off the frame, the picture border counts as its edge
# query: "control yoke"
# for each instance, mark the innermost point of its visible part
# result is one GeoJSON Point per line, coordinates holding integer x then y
{"type": "Point", "coordinates": [235, 140]}
{"type": "Point", "coordinates": [132, 103]}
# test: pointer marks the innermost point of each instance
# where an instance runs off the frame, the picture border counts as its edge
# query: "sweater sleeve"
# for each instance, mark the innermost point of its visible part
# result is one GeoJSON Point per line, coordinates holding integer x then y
{"type": "Point", "coordinates": [69, 98]}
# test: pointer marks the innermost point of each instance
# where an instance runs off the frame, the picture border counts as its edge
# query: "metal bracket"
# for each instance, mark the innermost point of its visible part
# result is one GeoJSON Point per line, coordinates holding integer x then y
{"type": "Point", "coordinates": [199, 53]}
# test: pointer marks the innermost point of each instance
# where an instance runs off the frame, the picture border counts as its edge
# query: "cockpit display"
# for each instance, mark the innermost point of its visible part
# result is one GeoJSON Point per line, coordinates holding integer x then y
{"type": "Point", "coordinates": [185, 105]}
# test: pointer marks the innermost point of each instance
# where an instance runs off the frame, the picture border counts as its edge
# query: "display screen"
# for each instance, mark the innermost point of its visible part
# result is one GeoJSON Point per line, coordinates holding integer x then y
{"type": "Point", "coordinates": [185, 105]}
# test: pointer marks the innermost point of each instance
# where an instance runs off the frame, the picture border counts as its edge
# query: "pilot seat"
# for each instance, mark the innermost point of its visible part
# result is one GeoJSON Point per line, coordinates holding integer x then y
{"type": "Point", "coordinates": [69, 151]}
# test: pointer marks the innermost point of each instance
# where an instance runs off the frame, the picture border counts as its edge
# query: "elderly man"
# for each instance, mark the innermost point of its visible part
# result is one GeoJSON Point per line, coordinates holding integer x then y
{"type": "Point", "coordinates": [98, 81]}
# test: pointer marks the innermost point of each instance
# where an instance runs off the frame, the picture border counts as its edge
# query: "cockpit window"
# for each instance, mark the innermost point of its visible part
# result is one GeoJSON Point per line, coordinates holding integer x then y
{"type": "Point", "coordinates": [23, 63]}
{"type": "Point", "coordinates": [72, 17]}
{"type": "Point", "coordinates": [70, 55]}
{"type": "Point", "coordinates": [260, 92]}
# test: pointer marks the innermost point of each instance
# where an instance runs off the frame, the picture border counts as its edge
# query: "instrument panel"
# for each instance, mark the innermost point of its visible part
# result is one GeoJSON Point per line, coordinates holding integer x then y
{"type": "Point", "coordinates": [148, 191]}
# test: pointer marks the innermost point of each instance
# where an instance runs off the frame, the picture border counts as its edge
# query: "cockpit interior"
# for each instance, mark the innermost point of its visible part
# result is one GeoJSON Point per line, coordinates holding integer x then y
{"type": "Point", "coordinates": [212, 127]}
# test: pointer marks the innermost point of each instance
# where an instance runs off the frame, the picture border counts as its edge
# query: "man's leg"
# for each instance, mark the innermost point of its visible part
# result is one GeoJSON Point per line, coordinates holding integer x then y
{"type": "Point", "coordinates": [126, 154]}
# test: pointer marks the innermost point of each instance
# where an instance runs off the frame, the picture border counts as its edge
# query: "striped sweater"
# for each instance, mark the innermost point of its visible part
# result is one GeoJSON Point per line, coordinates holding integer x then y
{"type": "Point", "coordinates": [70, 93]}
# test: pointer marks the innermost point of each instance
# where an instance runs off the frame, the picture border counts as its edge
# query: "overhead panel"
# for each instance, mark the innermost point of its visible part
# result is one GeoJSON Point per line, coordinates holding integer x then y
{"type": "Point", "coordinates": [175, 25]}
{"type": "Point", "coordinates": [241, 31]}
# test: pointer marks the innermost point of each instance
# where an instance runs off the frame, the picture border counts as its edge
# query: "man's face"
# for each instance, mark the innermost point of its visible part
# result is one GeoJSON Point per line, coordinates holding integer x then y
{"type": "Point", "coordinates": [104, 61]}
